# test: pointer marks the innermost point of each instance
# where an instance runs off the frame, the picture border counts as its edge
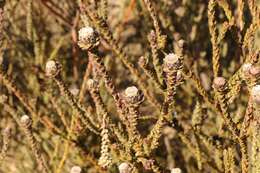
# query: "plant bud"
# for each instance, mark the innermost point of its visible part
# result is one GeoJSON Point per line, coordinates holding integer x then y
{"type": "Point", "coordinates": [246, 69]}
{"type": "Point", "coordinates": [92, 84]}
{"type": "Point", "coordinates": [74, 90]}
{"type": "Point", "coordinates": [143, 62]}
{"type": "Point", "coordinates": [131, 92]}
{"type": "Point", "coordinates": [220, 83]}
{"type": "Point", "coordinates": [88, 38]}
{"type": "Point", "coordinates": [26, 120]}
{"type": "Point", "coordinates": [179, 76]}
{"type": "Point", "coordinates": [171, 62]}
{"type": "Point", "coordinates": [176, 170]}
{"type": "Point", "coordinates": [181, 43]}
{"type": "Point", "coordinates": [152, 35]}
{"type": "Point", "coordinates": [75, 169]}
{"type": "Point", "coordinates": [125, 168]}
{"type": "Point", "coordinates": [133, 95]}
{"type": "Point", "coordinates": [52, 68]}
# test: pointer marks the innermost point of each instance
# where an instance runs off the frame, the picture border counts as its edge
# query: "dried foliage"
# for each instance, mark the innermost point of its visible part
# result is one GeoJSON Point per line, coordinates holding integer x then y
{"type": "Point", "coordinates": [130, 86]}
